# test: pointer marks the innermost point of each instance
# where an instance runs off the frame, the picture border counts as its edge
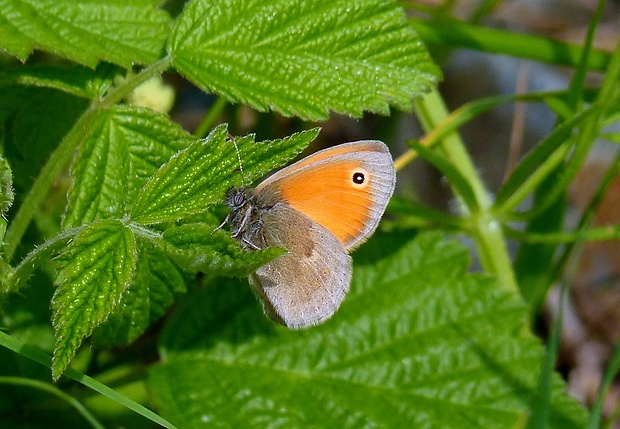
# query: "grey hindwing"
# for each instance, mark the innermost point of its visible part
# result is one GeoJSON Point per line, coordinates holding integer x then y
{"type": "Point", "coordinates": [307, 285]}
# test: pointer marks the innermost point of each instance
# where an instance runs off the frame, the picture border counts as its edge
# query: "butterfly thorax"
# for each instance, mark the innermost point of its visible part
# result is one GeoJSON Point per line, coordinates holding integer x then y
{"type": "Point", "coordinates": [245, 217]}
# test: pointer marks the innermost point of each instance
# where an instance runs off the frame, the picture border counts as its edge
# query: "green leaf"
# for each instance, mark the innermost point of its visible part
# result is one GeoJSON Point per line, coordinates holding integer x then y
{"type": "Point", "coordinates": [535, 161]}
{"type": "Point", "coordinates": [78, 80]}
{"type": "Point", "coordinates": [123, 149]}
{"type": "Point", "coordinates": [36, 119]}
{"type": "Point", "coordinates": [123, 32]}
{"type": "Point", "coordinates": [155, 284]}
{"type": "Point", "coordinates": [199, 247]}
{"type": "Point", "coordinates": [453, 34]}
{"type": "Point", "coordinates": [95, 271]}
{"type": "Point", "coordinates": [417, 343]}
{"type": "Point", "coordinates": [303, 58]}
{"type": "Point", "coordinates": [199, 176]}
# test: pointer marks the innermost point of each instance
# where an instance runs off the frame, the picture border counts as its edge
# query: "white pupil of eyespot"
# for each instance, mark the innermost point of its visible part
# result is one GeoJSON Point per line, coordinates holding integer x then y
{"type": "Point", "coordinates": [358, 178]}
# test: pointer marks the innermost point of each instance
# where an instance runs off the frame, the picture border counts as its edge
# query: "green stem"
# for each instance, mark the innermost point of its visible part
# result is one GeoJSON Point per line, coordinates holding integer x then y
{"type": "Point", "coordinates": [489, 236]}
{"type": "Point", "coordinates": [533, 181]}
{"type": "Point", "coordinates": [120, 92]}
{"type": "Point", "coordinates": [609, 96]}
{"type": "Point", "coordinates": [541, 404]}
{"type": "Point", "coordinates": [207, 122]}
{"type": "Point", "coordinates": [38, 356]}
{"type": "Point", "coordinates": [46, 387]}
{"type": "Point", "coordinates": [603, 233]}
{"type": "Point", "coordinates": [464, 114]}
{"type": "Point", "coordinates": [27, 265]}
{"type": "Point", "coordinates": [65, 151]}
{"type": "Point", "coordinates": [50, 171]}
{"type": "Point", "coordinates": [594, 419]}
{"type": "Point", "coordinates": [587, 217]}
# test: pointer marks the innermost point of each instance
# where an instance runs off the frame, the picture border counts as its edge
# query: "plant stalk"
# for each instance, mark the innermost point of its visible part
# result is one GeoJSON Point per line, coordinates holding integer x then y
{"type": "Point", "coordinates": [487, 230]}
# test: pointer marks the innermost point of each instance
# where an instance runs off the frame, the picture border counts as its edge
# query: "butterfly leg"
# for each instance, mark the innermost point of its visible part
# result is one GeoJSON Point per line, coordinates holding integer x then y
{"type": "Point", "coordinates": [226, 219]}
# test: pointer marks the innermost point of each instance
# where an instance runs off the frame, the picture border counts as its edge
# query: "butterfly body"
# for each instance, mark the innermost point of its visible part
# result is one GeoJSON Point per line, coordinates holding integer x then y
{"type": "Point", "coordinates": [319, 209]}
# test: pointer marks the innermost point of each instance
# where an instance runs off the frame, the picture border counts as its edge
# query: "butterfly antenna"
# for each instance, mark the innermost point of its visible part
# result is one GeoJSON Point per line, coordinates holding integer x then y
{"type": "Point", "coordinates": [234, 142]}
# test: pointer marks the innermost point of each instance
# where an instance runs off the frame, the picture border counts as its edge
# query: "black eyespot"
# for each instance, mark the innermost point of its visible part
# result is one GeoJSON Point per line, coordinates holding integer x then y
{"type": "Point", "coordinates": [359, 178]}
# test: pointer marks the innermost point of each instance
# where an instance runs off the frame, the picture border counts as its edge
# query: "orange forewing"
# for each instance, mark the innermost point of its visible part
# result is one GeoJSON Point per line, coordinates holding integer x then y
{"type": "Point", "coordinates": [343, 149]}
{"type": "Point", "coordinates": [326, 195]}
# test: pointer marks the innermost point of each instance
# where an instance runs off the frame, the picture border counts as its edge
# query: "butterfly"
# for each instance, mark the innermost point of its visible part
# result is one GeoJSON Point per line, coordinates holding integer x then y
{"type": "Point", "coordinates": [319, 209]}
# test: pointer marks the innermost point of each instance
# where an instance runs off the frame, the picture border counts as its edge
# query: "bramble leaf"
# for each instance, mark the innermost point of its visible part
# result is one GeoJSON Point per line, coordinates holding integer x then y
{"type": "Point", "coordinates": [303, 58]}
{"type": "Point", "coordinates": [95, 271]}
{"type": "Point", "coordinates": [155, 284]}
{"type": "Point", "coordinates": [417, 343]}
{"type": "Point", "coordinates": [77, 80]}
{"type": "Point", "coordinates": [198, 247]}
{"type": "Point", "coordinates": [199, 175]}
{"type": "Point", "coordinates": [123, 149]}
{"type": "Point", "coordinates": [123, 32]}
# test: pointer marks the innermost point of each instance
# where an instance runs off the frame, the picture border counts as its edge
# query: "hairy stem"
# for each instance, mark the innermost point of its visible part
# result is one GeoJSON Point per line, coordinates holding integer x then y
{"type": "Point", "coordinates": [65, 151]}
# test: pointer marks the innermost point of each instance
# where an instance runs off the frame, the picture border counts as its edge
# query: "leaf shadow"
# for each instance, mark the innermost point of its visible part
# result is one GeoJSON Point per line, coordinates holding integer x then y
{"type": "Point", "coordinates": [521, 388]}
